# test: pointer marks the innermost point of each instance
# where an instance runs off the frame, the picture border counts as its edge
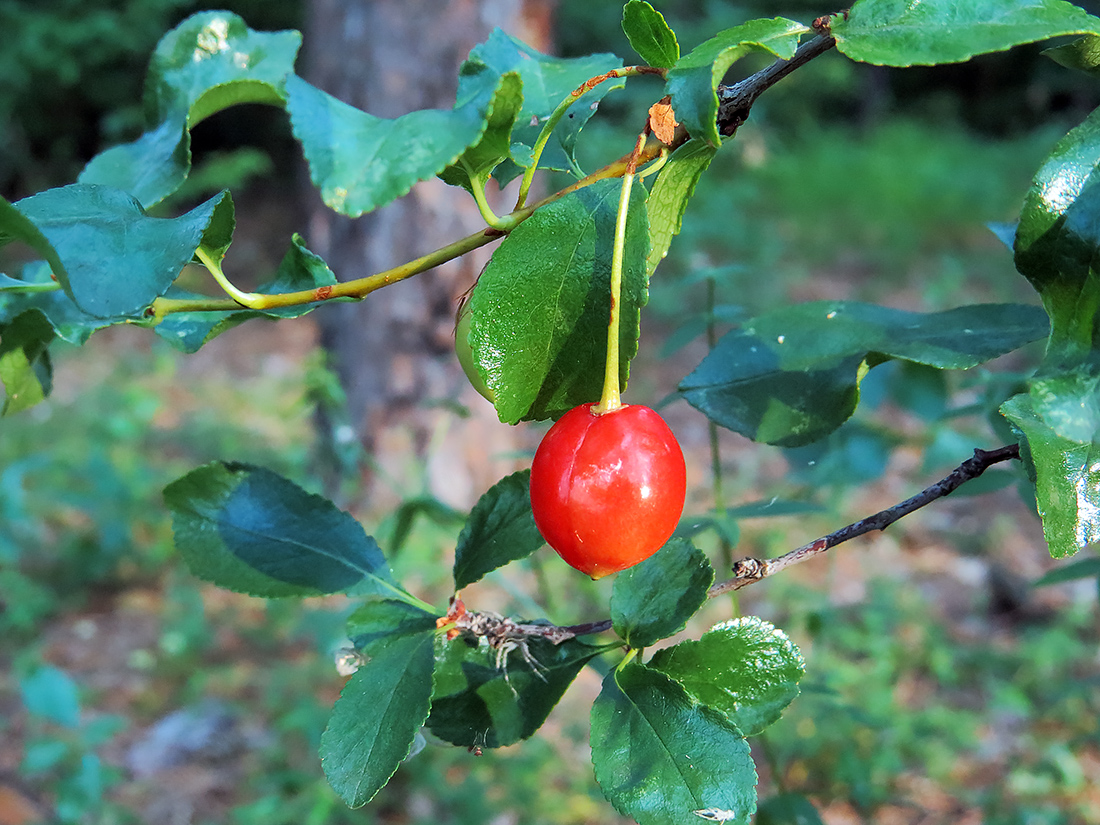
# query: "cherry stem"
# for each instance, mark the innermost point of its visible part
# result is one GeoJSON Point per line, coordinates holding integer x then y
{"type": "Point", "coordinates": [611, 400]}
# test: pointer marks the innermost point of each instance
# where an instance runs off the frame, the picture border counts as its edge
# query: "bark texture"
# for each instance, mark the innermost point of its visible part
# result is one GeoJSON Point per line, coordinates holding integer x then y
{"type": "Point", "coordinates": [395, 350]}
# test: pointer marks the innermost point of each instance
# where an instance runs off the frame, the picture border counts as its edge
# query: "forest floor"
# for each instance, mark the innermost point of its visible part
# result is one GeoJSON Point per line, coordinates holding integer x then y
{"type": "Point", "coordinates": [941, 687]}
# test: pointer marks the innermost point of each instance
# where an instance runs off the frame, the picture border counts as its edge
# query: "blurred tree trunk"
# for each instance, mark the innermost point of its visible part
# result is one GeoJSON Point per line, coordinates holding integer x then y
{"type": "Point", "coordinates": [394, 350]}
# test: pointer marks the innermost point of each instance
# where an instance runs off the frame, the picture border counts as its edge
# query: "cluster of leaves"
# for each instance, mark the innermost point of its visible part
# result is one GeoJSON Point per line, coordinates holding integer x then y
{"type": "Point", "coordinates": [788, 377]}
{"type": "Point", "coordinates": [667, 735]}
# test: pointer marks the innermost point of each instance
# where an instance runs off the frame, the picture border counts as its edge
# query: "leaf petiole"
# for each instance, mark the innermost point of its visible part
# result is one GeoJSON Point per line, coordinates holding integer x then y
{"type": "Point", "coordinates": [477, 189]}
{"type": "Point", "coordinates": [558, 113]}
{"type": "Point", "coordinates": [248, 299]}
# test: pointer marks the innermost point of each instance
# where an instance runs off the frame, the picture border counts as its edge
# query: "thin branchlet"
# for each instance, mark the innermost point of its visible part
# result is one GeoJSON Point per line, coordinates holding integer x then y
{"type": "Point", "coordinates": [505, 635]}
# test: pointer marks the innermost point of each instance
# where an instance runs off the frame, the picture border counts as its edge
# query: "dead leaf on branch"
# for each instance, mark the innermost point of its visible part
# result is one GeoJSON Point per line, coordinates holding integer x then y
{"type": "Point", "coordinates": [662, 121]}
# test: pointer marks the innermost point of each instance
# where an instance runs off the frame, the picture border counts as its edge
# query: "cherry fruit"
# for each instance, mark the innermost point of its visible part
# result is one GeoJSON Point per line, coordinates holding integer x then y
{"type": "Point", "coordinates": [607, 490]}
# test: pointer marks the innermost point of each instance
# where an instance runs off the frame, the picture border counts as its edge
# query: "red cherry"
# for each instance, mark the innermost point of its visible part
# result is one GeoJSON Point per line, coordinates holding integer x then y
{"type": "Point", "coordinates": [607, 490]}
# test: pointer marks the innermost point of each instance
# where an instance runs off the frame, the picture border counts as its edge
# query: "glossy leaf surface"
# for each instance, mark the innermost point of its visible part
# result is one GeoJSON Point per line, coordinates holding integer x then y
{"type": "Point", "coordinates": [663, 758]}
{"type": "Point", "coordinates": [500, 529]}
{"type": "Point", "coordinates": [654, 600]}
{"type": "Point", "coordinates": [693, 81]}
{"type": "Point", "coordinates": [792, 376]}
{"type": "Point", "coordinates": [378, 715]}
{"type": "Point", "coordinates": [745, 668]}
{"type": "Point", "coordinates": [649, 34]}
{"type": "Point", "coordinates": [248, 529]}
{"type": "Point", "coordinates": [669, 197]}
{"type": "Point", "coordinates": [482, 699]}
{"type": "Point", "coordinates": [1082, 54]}
{"type": "Point", "coordinates": [1058, 243]}
{"type": "Point", "coordinates": [1060, 418]}
{"type": "Point", "coordinates": [117, 257]}
{"type": "Point", "coordinates": [903, 33]}
{"type": "Point", "coordinates": [539, 314]}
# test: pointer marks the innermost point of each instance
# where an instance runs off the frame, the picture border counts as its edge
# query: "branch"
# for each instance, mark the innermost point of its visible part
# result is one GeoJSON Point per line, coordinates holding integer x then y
{"type": "Point", "coordinates": [361, 287]}
{"type": "Point", "coordinates": [750, 570]}
{"type": "Point", "coordinates": [734, 102]}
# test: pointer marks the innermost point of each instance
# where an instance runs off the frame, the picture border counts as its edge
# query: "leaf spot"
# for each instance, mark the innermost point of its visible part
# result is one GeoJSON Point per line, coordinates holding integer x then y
{"type": "Point", "coordinates": [715, 814]}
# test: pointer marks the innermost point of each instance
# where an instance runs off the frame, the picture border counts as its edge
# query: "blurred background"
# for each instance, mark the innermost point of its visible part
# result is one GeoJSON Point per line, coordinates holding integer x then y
{"type": "Point", "coordinates": [942, 685]}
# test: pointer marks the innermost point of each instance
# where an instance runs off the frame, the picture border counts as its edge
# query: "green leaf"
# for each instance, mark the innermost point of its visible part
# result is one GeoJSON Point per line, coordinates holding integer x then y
{"type": "Point", "coordinates": [117, 258]}
{"type": "Point", "coordinates": [788, 809]}
{"type": "Point", "coordinates": [250, 530]}
{"type": "Point", "coordinates": [15, 226]}
{"type": "Point", "coordinates": [539, 313]}
{"type": "Point", "coordinates": [745, 668]}
{"type": "Point", "coordinates": [299, 270]}
{"type": "Point", "coordinates": [479, 160]}
{"type": "Point", "coordinates": [669, 198]}
{"type": "Point", "coordinates": [903, 33]}
{"type": "Point", "coordinates": [1058, 243]}
{"type": "Point", "coordinates": [431, 508]}
{"type": "Point", "coordinates": [654, 600]}
{"type": "Point", "coordinates": [694, 80]}
{"type": "Point", "coordinates": [212, 61]}
{"type": "Point", "coordinates": [50, 693]}
{"type": "Point", "coordinates": [360, 161]}
{"type": "Point", "coordinates": [649, 34]}
{"type": "Point", "coordinates": [25, 368]}
{"type": "Point", "coordinates": [1082, 569]}
{"type": "Point", "coordinates": [377, 716]}
{"type": "Point", "coordinates": [663, 759]}
{"type": "Point", "coordinates": [791, 376]}
{"type": "Point", "coordinates": [1060, 418]}
{"type": "Point", "coordinates": [547, 81]}
{"type": "Point", "coordinates": [209, 62]}
{"type": "Point", "coordinates": [379, 619]}
{"type": "Point", "coordinates": [486, 699]}
{"type": "Point", "coordinates": [150, 168]}
{"type": "Point", "coordinates": [67, 319]}
{"type": "Point", "coordinates": [1082, 54]}
{"type": "Point", "coordinates": [500, 529]}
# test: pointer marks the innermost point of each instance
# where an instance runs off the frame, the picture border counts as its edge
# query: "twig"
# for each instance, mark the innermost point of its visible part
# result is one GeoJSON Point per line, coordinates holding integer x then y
{"type": "Point", "coordinates": [749, 570]}
{"type": "Point", "coordinates": [734, 102]}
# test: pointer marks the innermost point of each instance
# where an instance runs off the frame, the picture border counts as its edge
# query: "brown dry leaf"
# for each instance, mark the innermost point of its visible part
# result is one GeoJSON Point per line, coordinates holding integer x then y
{"type": "Point", "coordinates": [662, 121]}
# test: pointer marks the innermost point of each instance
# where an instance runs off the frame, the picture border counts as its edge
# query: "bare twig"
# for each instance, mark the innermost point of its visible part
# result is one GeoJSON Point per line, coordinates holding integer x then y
{"type": "Point", "coordinates": [734, 102]}
{"type": "Point", "coordinates": [506, 634]}
{"type": "Point", "coordinates": [749, 570]}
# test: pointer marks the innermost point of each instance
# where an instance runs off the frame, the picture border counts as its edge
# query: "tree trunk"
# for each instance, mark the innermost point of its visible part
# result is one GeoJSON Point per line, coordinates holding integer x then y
{"type": "Point", "coordinates": [395, 350]}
